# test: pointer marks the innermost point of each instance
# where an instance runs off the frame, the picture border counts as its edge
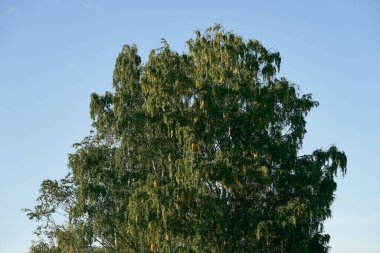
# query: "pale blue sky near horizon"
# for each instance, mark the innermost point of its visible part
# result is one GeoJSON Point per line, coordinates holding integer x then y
{"type": "Point", "coordinates": [55, 53]}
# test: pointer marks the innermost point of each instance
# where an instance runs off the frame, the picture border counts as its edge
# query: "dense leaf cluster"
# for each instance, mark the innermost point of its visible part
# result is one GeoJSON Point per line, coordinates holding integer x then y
{"type": "Point", "coordinates": [194, 152]}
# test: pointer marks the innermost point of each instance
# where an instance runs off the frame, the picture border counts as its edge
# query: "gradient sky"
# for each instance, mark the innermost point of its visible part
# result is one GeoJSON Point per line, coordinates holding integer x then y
{"type": "Point", "coordinates": [54, 53]}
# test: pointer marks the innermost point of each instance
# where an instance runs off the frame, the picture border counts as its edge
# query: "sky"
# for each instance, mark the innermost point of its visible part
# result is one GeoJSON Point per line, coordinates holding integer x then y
{"type": "Point", "coordinates": [55, 53]}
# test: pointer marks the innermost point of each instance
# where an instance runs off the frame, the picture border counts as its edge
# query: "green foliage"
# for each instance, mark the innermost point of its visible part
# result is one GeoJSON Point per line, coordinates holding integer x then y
{"type": "Point", "coordinates": [194, 152]}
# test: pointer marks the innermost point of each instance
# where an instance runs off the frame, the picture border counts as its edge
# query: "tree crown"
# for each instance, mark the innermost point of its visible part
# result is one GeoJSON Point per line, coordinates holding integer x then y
{"type": "Point", "coordinates": [195, 152]}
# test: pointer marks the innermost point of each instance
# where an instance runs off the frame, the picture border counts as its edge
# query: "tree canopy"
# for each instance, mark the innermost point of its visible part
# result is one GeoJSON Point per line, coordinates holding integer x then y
{"type": "Point", "coordinates": [194, 152]}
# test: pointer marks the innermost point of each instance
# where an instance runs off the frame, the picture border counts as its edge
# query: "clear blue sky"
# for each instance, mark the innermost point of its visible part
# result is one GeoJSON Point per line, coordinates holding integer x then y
{"type": "Point", "coordinates": [54, 53]}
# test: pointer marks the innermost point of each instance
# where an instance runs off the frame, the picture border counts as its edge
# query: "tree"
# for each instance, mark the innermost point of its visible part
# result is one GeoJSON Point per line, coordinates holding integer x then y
{"type": "Point", "coordinates": [196, 152]}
